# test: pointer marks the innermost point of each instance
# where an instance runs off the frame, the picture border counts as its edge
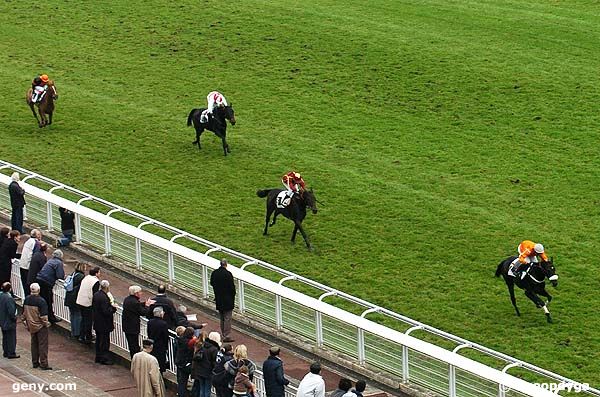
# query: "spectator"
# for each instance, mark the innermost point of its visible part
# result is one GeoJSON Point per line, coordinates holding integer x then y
{"type": "Point", "coordinates": [205, 357]}
{"type": "Point", "coordinates": [3, 234]}
{"type": "Point", "coordinates": [71, 298]}
{"type": "Point", "coordinates": [243, 386]}
{"type": "Point", "coordinates": [359, 388]}
{"type": "Point", "coordinates": [183, 321]}
{"type": "Point", "coordinates": [343, 388]}
{"type": "Point", "coordinates": [67, 227]}
{"type": "Point", "coordinates": [53, 270]}
{"type": "Point", "coordinates": [31, 246]}
{"type": "Point", "coordinates": [224, 290]}
{"type": "Point", "coordinates": [240, 358]}
{"type": "Point", "coordinates": [35, 317]}
{"type": "Point", "coordinates": [275, 381]}
{"type": "Point", "coordinates": [89, 286]}
{"type": "Point", "coordinates": [8, 321]}
{"type": "Point", "coordinates": [161, 300]}
{"type": "Point", "coordinates": [158, 331]}
{"type": "Point", "coordinates": [183, 359]}
{"type": "Point", "coordinates": [17, 202]}
{"type": "Point", "coordinates": [133, 308]}
{"type": "Point", "coordinates": [146, 372]}
{"type": "Point", "coordinates": [312, 385]}
{"type": "Point", "coordinates": [8, 252]}
{"type": "Point", "coordinates": [38, 260]}
{"type": "Point", "coordinates": [220, 379]}
{"type": "Point", "coordinates": [103, 310]}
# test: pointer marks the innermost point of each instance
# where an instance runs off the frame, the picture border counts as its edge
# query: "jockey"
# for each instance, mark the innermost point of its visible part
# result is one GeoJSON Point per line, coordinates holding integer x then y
{"type": "Point", "coordinates": [528, 253]}
{"type": "Point", "coordinates": [39, 85]}
{"type": "Point", "coordinates": [293, 183]}
{"type": "Point", "coordinates": [214, 99]}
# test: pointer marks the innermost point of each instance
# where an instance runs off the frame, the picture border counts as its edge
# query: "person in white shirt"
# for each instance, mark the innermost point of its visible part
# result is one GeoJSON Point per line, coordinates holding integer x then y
{"type": "Point", "coordinates": [31, 245]}
{"type": "Point", "coordinates": [88, 287]}
{"type": "Point", "coordinates": [312, 385]}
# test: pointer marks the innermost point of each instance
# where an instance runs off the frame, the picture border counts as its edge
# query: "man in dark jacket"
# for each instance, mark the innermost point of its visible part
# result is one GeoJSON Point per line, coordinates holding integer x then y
{"type": "Point", "coordinates": [17, 202]}
{"type": "Point", "coordinates": [38, 260]}
{"type": "Point", "coordinates": [53, 270]}
{"type": "Point", "coordinates": [103, 309]}
{"type": "Point", "coordinates": [158, 330]}
{"type": "Point", "coordinates": [8, 322]}
{"type": "Point", "coordinates": [133, 308]}
{"type": "Point", "coordinates": [67, 226]}
{"type": "Point", "coordinates": [8, 251]}
{"type": "Point", "coordinates": [161, 300]}
{"type": "Point", "coordinates": [220, 378]}
{"type": "Point", "coordinates": [275, 381]}
{"type": "Point", "coordinates": [224, 290]}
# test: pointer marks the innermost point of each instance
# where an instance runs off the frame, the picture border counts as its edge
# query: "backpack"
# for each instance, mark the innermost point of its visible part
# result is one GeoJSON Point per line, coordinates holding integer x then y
{"type": "Point", "coordinates": [69, 282]}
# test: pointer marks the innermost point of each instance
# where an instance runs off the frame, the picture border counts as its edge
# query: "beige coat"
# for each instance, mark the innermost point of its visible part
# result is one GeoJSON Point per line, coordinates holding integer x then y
{"type": "Point", "coordinates": [146, 373]}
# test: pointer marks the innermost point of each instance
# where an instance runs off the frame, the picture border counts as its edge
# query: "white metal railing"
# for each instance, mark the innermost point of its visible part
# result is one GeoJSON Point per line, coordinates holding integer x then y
{"type": "Point", "coordinates": [360, 339]}
{"type": "Point", "coordinates": [117, 337]}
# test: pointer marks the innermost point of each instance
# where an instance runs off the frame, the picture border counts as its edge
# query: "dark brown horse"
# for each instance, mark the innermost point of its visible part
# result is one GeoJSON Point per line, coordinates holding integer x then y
{"type": "Point", "coordinates": [45, 106]}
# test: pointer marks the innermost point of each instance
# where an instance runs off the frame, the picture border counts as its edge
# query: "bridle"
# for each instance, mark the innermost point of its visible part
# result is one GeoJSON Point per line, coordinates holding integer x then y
{"type": "Point", "coordinates": [551, 278]}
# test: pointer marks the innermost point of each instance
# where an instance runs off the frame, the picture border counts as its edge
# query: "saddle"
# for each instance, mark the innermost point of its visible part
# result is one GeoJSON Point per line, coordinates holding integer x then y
{"type": "Point", "coordinates": [38, 94]}
{"type": "Point", "coordinates": [284, 198]}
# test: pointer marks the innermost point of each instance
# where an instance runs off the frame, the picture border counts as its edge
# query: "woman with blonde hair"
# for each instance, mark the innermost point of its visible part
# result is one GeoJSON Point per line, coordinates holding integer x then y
{"type": "Point", "coordinates": [240, 359]}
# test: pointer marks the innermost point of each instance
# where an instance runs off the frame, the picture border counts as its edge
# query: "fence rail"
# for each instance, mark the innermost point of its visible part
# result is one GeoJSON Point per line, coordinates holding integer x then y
{"type": "Point", "coordinates": [361, 340]}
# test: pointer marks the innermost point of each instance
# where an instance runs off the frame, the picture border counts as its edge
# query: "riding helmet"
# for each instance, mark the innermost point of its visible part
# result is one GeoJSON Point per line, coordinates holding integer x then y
{"type": "Point", "coordinates": [538, 248]}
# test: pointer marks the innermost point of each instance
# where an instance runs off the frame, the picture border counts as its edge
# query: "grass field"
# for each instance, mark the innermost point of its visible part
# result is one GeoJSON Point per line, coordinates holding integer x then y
{"type": "Point", "coordinates": [438, 135]}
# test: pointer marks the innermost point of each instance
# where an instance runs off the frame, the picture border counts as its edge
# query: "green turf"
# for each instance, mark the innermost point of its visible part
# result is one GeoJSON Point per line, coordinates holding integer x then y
{"type": "Point", "coordinates": [412, 120]}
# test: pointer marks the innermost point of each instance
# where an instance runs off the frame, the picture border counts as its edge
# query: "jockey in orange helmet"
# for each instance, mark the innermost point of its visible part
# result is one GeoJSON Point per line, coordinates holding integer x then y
{"type": "Point", "coordinates": [528, 253]}
{"type": "Point", "coordinates": [39, 85]}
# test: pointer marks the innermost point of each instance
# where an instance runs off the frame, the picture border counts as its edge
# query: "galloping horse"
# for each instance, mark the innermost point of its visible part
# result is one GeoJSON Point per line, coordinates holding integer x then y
{"type": "Point", "coordinates": [533, 283]}
{"type": "Point", "coordinates": [295, 211]}
{"type": "Point", "coordinates": [216, 124]}
{"type": "Point", "coordinates": [45, 106]}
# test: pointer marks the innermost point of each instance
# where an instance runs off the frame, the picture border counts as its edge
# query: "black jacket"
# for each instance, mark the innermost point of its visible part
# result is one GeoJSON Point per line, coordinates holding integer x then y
{"type": "Point", "coordinates": [17, 195]}
{"type": "Point", "coordinates": [168, 307]}
{"type": "Point", "coordinates": [132, 310]}
{"type": "Point", "coordinates": [71, 296]}
{"type": "Point", "coordinates": [38, 260]}
{"type": "Point", "coordinates": [184, 354]}
{"type": "Point", "coordinates": [67, 220]}
{"type": "Point", "coordinates": [220, 376]}
{"type": "Point", "coordinates": [275, 382]}
{"type": "Point", "coordinates": [204, 360]}
{"type": "Point", "coordinates": [224, 289]}
{"type": "Point", "coordinates": [103, 313]}
{"type": "Point", "coordinates": [158, 331]}
{"type": "Point", "coordinates": [8, 251]}
{"type": "Point", "coordinates": [8, 312]}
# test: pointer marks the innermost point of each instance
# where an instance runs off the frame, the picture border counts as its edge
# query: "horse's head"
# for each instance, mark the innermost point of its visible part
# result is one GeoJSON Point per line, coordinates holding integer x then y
{"type": "Point", "coordinates": [52, 89]}
{"type": "Point", "coordinates": [550, 271]}
{"type": "Point", "coordinates": [230, 114]}
{"type": "Point", "coordinates": [310, 200]}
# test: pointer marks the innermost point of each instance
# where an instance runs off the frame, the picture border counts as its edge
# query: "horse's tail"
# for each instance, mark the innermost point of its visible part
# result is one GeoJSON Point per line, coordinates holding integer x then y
{"type": "Point", "coordinates": [191, 117]}
{"type": "Point", "coordinates": [263, 193]}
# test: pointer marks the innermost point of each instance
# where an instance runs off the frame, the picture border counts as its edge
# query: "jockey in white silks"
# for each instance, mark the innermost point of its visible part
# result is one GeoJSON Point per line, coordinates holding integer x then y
{"type": "Point", "coordinates": [214, 99]}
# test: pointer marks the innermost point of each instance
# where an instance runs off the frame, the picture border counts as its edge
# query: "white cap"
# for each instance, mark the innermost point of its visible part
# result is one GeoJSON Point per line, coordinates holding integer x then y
{"type": "Point", "coordinates": [538, 248]}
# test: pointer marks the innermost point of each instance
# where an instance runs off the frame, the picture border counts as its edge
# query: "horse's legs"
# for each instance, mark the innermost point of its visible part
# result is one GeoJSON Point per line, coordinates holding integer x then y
{"type": "Point", "coordinates": [274, 218]}
{"type": "Point", "coordinates": [32, 107]}
{"type": "Point", "coordinates": [50, 118]}
{"type": "Point", "coordinates": [545, 293]}
{"type": "Point", "coordinates": [199, 131]}
{"type": "Point", "coordinates": [267, 217]}
{"type": "Point", "coordinates": [539, 303]}
{"type": "Point", "coordinates": [511, 290]}
{"type": "Point", "coordinates": [225, 146]}
{"type": "Point", "coordinates": [306, 239]}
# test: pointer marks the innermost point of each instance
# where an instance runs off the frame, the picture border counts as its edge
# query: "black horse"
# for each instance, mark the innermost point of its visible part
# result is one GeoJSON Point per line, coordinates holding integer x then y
{"type": "Point", "coordinates": [295, 211]}
{"type": "Point", "coordinates": [216, 124]}
{"type": "Point", "coordinates": [533, 283]}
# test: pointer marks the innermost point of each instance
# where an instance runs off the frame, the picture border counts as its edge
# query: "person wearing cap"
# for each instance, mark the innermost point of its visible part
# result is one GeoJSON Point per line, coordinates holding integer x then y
{"type": "Point", "coordinates": [528, 253]}
{"type": "Point", "coordinates": [146, 372]}
{"type": "Point", "coordinates": [39, 85]}
{"type": "Point", "coordinates": [35, 319]}
{"type": "Point", "coordinates": [312, 385]}
{"type": "Point", "coordinates": [273, 376]}
{"type": "Point", "coordinates": [53, 270]}
{"type": "Point", "coordinates": [17, 202]}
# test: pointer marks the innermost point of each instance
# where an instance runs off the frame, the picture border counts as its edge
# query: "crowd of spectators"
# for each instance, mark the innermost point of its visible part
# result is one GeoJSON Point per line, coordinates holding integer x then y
{"type": "Point", "coordinates": [205, 359]}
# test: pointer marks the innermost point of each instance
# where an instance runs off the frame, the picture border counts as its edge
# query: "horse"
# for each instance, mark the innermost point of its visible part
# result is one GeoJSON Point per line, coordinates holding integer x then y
{"type": "Point", "coordinates": [45, 105]}
{"type": "Point", "coordinates": [216, 124]}
{"type": "Point", "coordinates": [533, 283]}
{"type": "Point", "coordinates": [294, 211]}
